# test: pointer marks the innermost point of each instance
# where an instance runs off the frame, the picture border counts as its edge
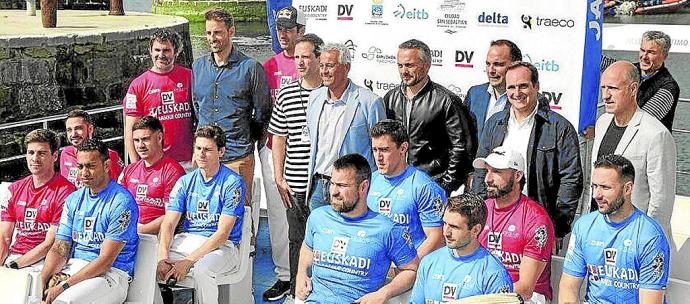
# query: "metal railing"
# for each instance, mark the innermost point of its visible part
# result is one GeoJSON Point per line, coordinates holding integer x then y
{"type": "Point", "coordinates": [43, 121]}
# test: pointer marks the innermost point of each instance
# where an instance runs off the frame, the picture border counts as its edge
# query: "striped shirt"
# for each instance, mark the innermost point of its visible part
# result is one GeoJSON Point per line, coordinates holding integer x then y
{"type": "Point", "coordinates": [289, 118]}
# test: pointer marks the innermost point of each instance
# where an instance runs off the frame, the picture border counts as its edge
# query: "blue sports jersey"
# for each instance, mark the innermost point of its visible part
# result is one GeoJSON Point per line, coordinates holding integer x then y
{"type": "Point", "coordinates": [202, 203]}
{"type": "Point", "coordinates": [619, 258]}
{"type": "Point", "coordinates": [352, 255]}
{"type": "Point", "coordinates": [88, 220]}
{"type": "Point", "coordinates": [411, 199]}
{"type": "Point", "coordinates": [444, 277]}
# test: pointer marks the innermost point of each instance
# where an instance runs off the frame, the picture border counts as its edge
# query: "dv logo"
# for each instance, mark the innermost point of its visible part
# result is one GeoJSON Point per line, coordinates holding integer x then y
{"type": "Point", "coordinates": [463, 59]}
{"type": "Point", "coordinates": [610, 256]}
{"type": "Point", "coordinates": [385, 205]}
{"type": "Point", "coordinates": [167, 97]}
{"type": "Point", "coordinates": [494, 241]}
{"type": "Point", "coordinates": [554, 99]}
{"type": "Point", "coordinates": [448, 292]}
{"type": "Point", "coordinates": [202, 206]}
{"type": "Point", "coordinates": [339, 245]}
{"type": "Point", "coordinates": [142, 190]}
{"type": "Point", "coordinates": [345, 11]}
{"type": "Point", "coordinates": [30, 215]}
{"type": "Point", "coordinates": [89, 222]}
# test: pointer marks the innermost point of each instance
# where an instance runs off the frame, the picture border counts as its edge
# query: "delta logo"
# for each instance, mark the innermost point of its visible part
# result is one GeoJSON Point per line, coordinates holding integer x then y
{"type": "Point", "coordinates": [414, 13]}
{"type": "Point", "coordinates": [492, 19]}
{"type": "Point", "coordinates": [345, 12]}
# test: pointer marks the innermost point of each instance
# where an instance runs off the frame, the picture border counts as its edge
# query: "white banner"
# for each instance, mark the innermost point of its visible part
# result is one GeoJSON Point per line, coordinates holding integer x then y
{"type": "Point", "coordinates": [550, 33]}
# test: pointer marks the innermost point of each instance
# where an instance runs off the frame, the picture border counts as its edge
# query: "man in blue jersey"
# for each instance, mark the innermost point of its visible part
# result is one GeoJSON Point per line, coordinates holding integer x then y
{"type": "Point", "coordinates": [464, 268]}
{"type": "Point", "coordinates": [348, 248]}
{"type": "Point", "coordinates": [96, 242]}
{"type": "Point", "coordinates": [211, 198]}
{"type": "Point", "coordinates": [403, 193]}
{"type": "Point", "coordinates": [623, 251]}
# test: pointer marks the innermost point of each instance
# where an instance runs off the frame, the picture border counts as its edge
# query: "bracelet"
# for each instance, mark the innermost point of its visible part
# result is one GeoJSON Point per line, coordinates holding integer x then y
{"type": "Point", "coordinates": [64, 285]}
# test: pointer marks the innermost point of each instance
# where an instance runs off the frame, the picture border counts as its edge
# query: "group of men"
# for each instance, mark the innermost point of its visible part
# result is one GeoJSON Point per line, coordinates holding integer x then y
{"type": "Point", "coordinates": [354, 182]}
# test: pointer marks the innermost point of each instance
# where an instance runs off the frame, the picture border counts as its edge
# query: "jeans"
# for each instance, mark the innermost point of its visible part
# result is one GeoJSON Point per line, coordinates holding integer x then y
{"type": "Point", "coordinates": [320, 193]}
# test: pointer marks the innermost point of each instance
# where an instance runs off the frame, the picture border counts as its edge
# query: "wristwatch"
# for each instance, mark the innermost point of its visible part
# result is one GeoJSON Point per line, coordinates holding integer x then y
{"type": "Point", "coordinates": [13, 265]}
{"type": "Point", "coordinates": [64, 285]}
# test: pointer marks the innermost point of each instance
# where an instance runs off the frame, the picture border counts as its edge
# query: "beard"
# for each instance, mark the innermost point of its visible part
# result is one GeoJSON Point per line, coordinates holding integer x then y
{"type": "Point", "coordinates": [496, 192]}
{"type": "Point", "coordinates": [345, 206]}
{"type": "Point", "coordinates": [615, 206]}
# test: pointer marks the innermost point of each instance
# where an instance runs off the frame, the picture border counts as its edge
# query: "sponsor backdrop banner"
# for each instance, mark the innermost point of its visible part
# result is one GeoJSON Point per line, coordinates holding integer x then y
{"type": "Point", "coordinates": [560, 37]}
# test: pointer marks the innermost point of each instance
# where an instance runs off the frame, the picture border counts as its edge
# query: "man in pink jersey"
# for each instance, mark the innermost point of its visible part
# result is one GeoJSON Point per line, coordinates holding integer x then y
{"type": "Point", "coordinates": [35, 205]}
{"type": "Point", "coordinates": [79, 127]}
{"type": "Point", "coordinates": [280, 71]}
{"type": "Point", "coordinates": [164, 92]}
{"type": "Point", "coordinates": [153, 176]}
{"type": "Point", "coordinates": [518, 229]}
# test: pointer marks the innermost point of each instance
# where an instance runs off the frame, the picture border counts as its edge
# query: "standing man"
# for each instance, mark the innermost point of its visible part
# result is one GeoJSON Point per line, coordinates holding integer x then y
{"type": "Point", "coordinates": [349, 248]}
{"type": "Point", "coordinates": [518, 229]}
{"type": "Point", "coordinates": [153, 176]}
{"type": "Point", "coordinates": [164, 92]}
{"type": "Point", "coordinates": [403, 193]}
{"type": "Point", "coordinates": [627, 130]}
{"type": "Point", "coordinates": [485, 100]}
{"type": "Point", "coordinates": [464, 268]}
{"type": "Point", "coordinates": [291, 144]}
{"type": "Point", "coordinates": [443, 138]}
{"type": "Point", "coordinates": [658, 92]}
{"type": "Point", "coordinates": [622, 250]}
{"type": "Point", "coordinates": [230, 92]}
{"type": "Point", "coordinates": [79, 128]}
{"type": "Point", "coordinates": [280, 72]}
{"type": "Point", "coordinates": [546, 141]}
{"type": "Point", "coordinates": [211, 199]}
{"type": "Point", "coordinates": [35, 205]}
{"type": "Point", "coordinates": [339, 116]}
{"type": "Point", "coordinates": [96, 243]}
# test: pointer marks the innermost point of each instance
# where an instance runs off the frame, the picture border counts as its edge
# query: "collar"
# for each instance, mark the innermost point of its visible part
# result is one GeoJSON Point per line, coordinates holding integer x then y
{"type": "Point", "coordinates": [234, 57]}
{"type": "Point", "coordinates": [426, 87]}
{"type": "Point", "coordinates": [346, 94]}
{"type": "Point", "coordinates": [490, 90]}
{"type": "Point", "coordinates": [528, 120]}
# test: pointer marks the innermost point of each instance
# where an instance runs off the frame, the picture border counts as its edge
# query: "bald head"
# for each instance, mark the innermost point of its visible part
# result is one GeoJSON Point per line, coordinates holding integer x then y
{"type": "Point", "coordinates": [624, 69]}
{"type": "Point", "coordinates": [619, 85]}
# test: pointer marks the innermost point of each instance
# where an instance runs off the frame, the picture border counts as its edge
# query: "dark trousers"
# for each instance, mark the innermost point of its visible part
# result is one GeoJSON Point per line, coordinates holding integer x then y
{"type": "Point", "coordinates": [297, 224]}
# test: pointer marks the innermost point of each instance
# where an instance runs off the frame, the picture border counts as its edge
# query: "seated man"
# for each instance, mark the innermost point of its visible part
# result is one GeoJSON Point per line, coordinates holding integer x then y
{"type": "Point", "coordinates": [35, 205]}
{"type": "Point", "coordinates": [348, 248]}
{"type": "Point", "coordinates": [518, 229]}
{"type": "Point", "coordinates": [212, 201]}
{"type": "Point", "coordinates": [152, 177]}
{"type": "Point", "coordinates": [622, 249]}
{"type": "Point", "coordinates": [464, 268]}
{"type": "Point", "coordinates": [96, 243]}
{"type": "Point", "coordinates": [403, 193]}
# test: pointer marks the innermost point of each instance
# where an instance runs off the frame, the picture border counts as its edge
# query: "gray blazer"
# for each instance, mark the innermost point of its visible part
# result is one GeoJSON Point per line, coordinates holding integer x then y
{"type": "Point", "coordinates": [652, 151]}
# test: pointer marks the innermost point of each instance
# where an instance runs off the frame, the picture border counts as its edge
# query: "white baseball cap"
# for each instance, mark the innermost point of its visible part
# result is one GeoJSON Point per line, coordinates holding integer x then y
{"type": "Point", "coordinates": [501, 158]}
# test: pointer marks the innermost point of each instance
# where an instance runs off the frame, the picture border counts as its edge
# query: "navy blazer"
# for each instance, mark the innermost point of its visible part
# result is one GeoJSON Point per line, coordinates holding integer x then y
{"type": "Point", "coordinates": [477, 100]}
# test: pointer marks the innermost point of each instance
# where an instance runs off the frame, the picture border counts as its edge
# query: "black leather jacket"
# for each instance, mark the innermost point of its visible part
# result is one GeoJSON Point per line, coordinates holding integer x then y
{"type": "Point", "coordinates": [443, 136]}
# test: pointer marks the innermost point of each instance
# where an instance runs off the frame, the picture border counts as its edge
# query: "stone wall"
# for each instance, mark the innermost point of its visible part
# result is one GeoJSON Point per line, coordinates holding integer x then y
{"type": "Point", "coordinates": [45, 76]}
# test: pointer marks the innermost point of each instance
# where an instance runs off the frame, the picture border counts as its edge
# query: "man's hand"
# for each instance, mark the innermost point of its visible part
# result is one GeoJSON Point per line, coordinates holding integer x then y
{"type": "Point", "coordinates": [180, 269]}
{"type": "Point", "coordinates": [163, 268]}
{"type": "Point", "coordinates": [285, 192]}
{"type": "Point", "coordinates": [303, 287]}
{"type": "Point", "coordinates": [52, 293]}
{"type": "Point", "coordinates": [373, 298]}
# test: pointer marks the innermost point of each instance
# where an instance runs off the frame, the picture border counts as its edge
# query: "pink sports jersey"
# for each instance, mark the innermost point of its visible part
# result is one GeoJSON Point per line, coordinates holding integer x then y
{"type": "Point", "coordinates": [151, 186]}
{"type": "Point", "coordinates": [280, 71]}
{"type": "Point", "coordinates": [68, 165]}
{"type": "Point", "coordinates": [168, 98]}
{"type": "Point", "coordinates": [34, 210]}
{"type": "Point", "coordinates": [523, 228]}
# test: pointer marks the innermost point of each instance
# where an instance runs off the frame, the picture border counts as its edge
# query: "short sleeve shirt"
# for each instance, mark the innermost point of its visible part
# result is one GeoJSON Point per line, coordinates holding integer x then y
{"type": "Point", "coordinates": [202, 203]}
{"type": "Point", "coordinates": [412, 199]}
{"type": "Point", "coordinates": [444, 277]}
{"type": "Point", "coordinates": [520, 229]}
{"type": "Point", "coordinates": [34, 210]}
{"type": "Point", "coordinates": [618, 258]}
{"type": "Point", "coordinates": [167, 97]}
{"type": "Point", "coordinates": [68, 165]}
{"type": "Point", "coordinates": [352, 255]}
{"type": "Point", "coordinates": [151, 186]}
{"type": "Point", "coordinates": [88, 220]}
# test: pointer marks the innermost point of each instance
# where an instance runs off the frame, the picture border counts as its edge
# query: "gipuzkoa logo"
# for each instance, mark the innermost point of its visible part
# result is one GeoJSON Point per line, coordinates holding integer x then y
{"type": "Point", "coordinates": [436, 57]}
{"type": "Point", "coordinates": [548, 65]}
{"type": "Point", "coordinates": [463, 59]}
{"type": "Point", "coordinates": [492, 19]}
{"type": "Point", "coordinates": [456, 90]}
{"type": "Point", "coordinates": [451, 16]}
{"type": "Point", "coordinates": [345, 11]}
{"type": "Point", "coordinates": [554, 99]}
{"type": "Point", "coordinates": [415, 13]}
{"type": "Point", "coordinates": [316, 12]}
{"type": "Point", "coordinates": [374, 53]}
{"type": "Point", "coordinates": [528, 22]}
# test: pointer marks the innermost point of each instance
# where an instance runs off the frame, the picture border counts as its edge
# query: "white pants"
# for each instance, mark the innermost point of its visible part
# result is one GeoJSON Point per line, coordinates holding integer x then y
{"type": "Point", "coordinates": [537, 298]}
{"type": "Point", "coordinates": [110, 287]}
{"type": "Point", "coordinates": [277, 219]}
{"type": "Point", "coordinates": [35, 272]}
{"type": "Point", "coordinates": [204, 272]}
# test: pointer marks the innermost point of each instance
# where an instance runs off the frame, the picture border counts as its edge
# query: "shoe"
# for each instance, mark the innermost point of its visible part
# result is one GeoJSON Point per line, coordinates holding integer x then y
{"type": "Point", "coordinates": [277, 291]}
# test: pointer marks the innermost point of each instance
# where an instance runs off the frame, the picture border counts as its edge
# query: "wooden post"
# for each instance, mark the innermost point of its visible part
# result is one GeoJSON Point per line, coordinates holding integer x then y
{"type": "Point", "coordinates": [116, 8]}
{"type": "Point", "coordinates": [49, 13]}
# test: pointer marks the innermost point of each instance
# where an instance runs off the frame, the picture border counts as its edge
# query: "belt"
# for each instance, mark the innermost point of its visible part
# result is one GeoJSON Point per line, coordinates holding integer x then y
{"type": "Point", "coordinates": [321, 176]}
